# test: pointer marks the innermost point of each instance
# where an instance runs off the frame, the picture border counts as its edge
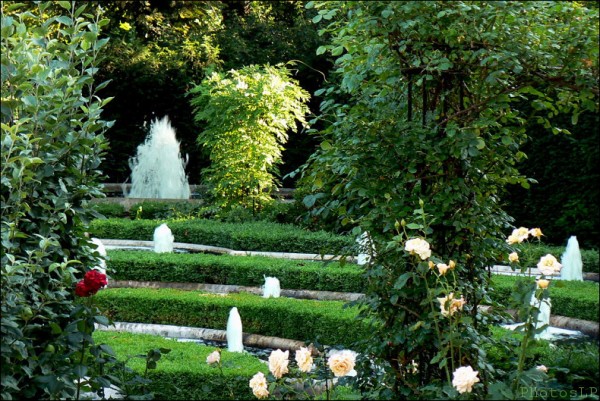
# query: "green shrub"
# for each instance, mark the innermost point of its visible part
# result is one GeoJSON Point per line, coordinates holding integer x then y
{"type": "Point", "coordinates": [183, 373]}
{"type": "Point", "coordinates": [164, 209]}
{"type": "Point", "coordinates": [299, 319]}
{"type": "Point", "coordinates": [238, 270]}
{"type": "Point", "coordinates": [110, 209]}
{"type": "Point", "coordinates": [250, 236]}
{"type": "Point", "coordinates": [572, 299]}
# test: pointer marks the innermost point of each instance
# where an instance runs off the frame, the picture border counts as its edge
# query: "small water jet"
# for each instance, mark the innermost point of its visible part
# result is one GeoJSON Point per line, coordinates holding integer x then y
{"type": "Point", "coordinates": [163, 239]}
{"type": "Point", "coordinates": [157, 170]}
{"type": "Point", "coordinates": [543, 318]}
{"type": "Point", "coordinates": [234, 331]}
{"type": "Point", "coordinates": [571, 260]}
{"type": "Point", "coordinates": [271, 288]}
{"type": "Point", "coordinates": [365, 244]}
{"type": "Point", "coordinates": [102, 251]}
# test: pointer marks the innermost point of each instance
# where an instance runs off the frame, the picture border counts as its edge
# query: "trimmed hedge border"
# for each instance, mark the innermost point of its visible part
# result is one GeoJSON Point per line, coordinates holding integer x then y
{"type": "Point", "coordinates": [234, 270]}
{"type": "Point", "coordinates": [574, 299]}
{"type": "Point", "coordinates": [250, 236]}
{"type": "Point", "coordinates": [329, 322]}
{"type": "Point", "coordinates": [571, 299]}
{"type": "Point", "coordinates": [185, 367]}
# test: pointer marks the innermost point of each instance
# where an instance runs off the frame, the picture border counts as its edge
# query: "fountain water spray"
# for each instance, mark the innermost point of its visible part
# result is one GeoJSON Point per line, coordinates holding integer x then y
{"type": "Point", "coordinates": [543, 317]}
{"type": "Point", "coordinates": [364, 243]}
{"type": "Point", "coordinates": [571, 261]}
{"type": "Point", "coordinates": [163, 239]}
{"type": "Point", "coordinates": [102, 251]}
{"type": "Point", "coordinates": [234, 331]}
{"type": "Point", "coordinates": [271, 288]}
{"type": "Point", "coordinates": [157, 170]}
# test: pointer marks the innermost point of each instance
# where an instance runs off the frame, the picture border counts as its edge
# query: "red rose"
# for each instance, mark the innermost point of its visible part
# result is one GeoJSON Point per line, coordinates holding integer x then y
{"type": "Point", "coordinates": [94, 280]}
{"type": "Point", "coordinates": [82, 290]}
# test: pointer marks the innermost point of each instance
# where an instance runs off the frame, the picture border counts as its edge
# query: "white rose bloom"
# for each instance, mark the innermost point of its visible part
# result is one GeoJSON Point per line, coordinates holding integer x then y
{"type": "Point", "coordinates": [464, 378]}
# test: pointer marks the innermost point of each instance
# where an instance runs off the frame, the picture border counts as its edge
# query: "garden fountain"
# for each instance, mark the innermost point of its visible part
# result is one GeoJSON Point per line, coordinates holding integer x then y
{"type": "Point", "coordinates": [102, 251]}
{"type": "Point", "coordinates": [234, 331]}
{"type": "Point", "coordinates": [543, 317]}
{"type": "Point", "coordinates": [571, 260]}
{"type": "Point", "coordinates": [271, 288]}
{"type": "Point", "coordinates": [163, 239]}
{"type": "Point", "coordinates": [157, 170]}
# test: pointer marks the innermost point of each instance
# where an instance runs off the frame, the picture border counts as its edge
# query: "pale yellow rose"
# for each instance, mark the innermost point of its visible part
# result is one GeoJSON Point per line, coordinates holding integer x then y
{"type": "Point", "coordinates": [278, 363]}
{"type": "Point", "coordinates": [543, 284]}
{"type": "Point", "coordinates": [536, 232]}
{"type": "Point", "coordinates": [304, 359]}
{"type": "Point", "coordinates": [464, 378]}
{"type": "Point", "coordinates": [442, 268]}
{"type": "Point", "coordinates": [518, 235]}
{"type": "Point", "coordinates": [451, 265]}
{"type": "Point", "coordinates": [431, 264]}
{"type": "Point", "coordinates": [513, 257]}
{"type": "Point", "coordinates": [542, 368]}
{"type": "Point", "coordinates": [214, 357]}
{"type": "Point", "coordinates": [548, 265]}
{"type": "Point", "coordinates": [454, 304]}
{"type": "Point", "coordinates": [259, 387]}
{"type": "Point", "coordinates": [342, 362]}
{"type": "Point", "coordinates": [419, 247]}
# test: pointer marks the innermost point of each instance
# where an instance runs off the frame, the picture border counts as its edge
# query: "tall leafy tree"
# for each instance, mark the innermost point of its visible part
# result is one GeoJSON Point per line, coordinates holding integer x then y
{"type": "Point", "coordinates": [248, 114]}
{"type": "Point", "coordinates": [424, 136]}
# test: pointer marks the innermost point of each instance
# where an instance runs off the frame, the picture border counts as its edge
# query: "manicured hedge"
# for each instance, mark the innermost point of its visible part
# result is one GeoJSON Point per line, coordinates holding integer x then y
{"type": "Point", "coordinates": [183, 373]}
{"type": "Point", "coordinates": [572, 299]}
{"type": "Point", "coordinates": [234, 270]}
{"type": "Point", "coordinates": [297, 319]}
{"type": "Point", "coordinates": [251, 236]}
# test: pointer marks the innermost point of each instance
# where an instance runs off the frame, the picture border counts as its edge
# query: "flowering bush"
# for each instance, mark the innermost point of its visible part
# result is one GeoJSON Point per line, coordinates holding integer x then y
{"type": "Point", "coordinates": [92, 281]}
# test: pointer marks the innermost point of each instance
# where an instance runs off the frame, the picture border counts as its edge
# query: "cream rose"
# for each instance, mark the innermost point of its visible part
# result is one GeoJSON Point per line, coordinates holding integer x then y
{"type": "Point", "coordinates": [464, 378]}
{"type": "Point", "coordinates": [451, 265]}
{"type": "Point", "coordinates": [342, 362]}
{"type": "Point", "coordinates": [543, 284]}
{"type": "Point", "coordinates": [418, 246]}
{"type": "Point", "coordinates": [542, 368]}
{"type": "Point", "coordinates": [548, 265]}
{"type": "Point", "coordinates": [513, 257]}
{"type": "Point", "coordinates": [258, 384]}
{"type": "Point", "coordinates": [536, 232]}
{"type": "Point", "coordinates": [214, 357]}
{"type": "Point", "coordinates": [304, 359]}
{"type": "Point", "coordinates": [518, 235]}
{"type": "Point", "coordinates": [454, 304]}
{"type": "Point", "coordinates": [442, 268]}
{"type": "Point", "coordinates": [278, 363]}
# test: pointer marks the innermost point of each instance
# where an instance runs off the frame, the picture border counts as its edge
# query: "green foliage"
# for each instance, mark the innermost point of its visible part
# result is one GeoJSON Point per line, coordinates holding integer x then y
{"type": "Point", "coordinates": [300, 319]}
{"type": "Point", "coordinates": [249, 236]}
{"type": "Point", "coordinates": [424, 135]}
{"type": "Point", "coordinates": [248, 114]}
{"type": "Point", "coordinates": [52, 145]}
{"type": "Point", "coordinates": [183, 373]}
{"type": "Point", "coordinates": [109, 209]}
{"type": "Point", "coordinates": [234, 270]}
{"type": "Point", "coordinates": [164, 209]}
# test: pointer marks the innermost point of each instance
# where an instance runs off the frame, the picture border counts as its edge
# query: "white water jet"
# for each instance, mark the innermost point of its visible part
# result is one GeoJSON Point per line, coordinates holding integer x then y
{"type": "Point", "coordinates": [234, 331]}
{"type": "Point", "coordinates": [163, 239]}
{"type": "Point", "coordinates": [365, 244]}
{"type": "Point", "coordinates": [157, 170]}
{"type": "Point", "coordinates": [271, 288]}
{"type": "Point", "coordinates": [102, 251]}
{"type": "Point", "coordinates": [571, 261]}
{"type": "Point", "coordinates": [543, 317]}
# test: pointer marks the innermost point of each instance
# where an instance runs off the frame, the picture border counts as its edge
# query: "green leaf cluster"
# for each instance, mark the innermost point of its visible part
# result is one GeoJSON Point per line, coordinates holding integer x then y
{"type": "Point", "coordinates": [248, 114]}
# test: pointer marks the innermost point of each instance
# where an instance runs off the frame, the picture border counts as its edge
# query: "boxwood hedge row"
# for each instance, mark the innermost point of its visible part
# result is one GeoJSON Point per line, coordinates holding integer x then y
{"type": "Point", "coordinates": [575, 299]}
{"type": "Point", "coordinates": [183, 373]}
{"type": "Point", "coordinates": [299, 319]}
{"type": "Point", "coordinates": [250, 236]}
{"type": "Point", "coordinates": [234, 270]}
